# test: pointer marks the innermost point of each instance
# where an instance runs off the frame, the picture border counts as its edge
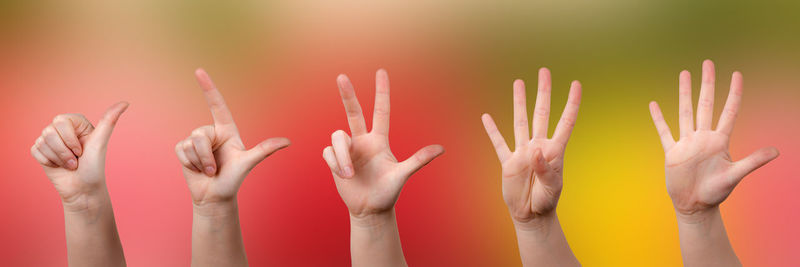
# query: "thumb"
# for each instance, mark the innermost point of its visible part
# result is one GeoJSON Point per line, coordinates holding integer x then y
{"type": "Point", "coordinates": [752, 162]}
{"type": "Point", "coordinates": [420, 159]}
{"type": "Point", "coordinates": [102, 133]}
{"type": "Point", "coordinates": [261, 151]}
{"type": "Point", "coordinates": [542, 168]}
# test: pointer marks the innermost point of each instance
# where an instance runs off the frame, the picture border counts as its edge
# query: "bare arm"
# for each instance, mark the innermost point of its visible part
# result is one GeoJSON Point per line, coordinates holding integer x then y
{"type": "Point", "coordinates": [215, 163]}
{"type": "Point", "coordinates": [375, 240]}
{"type": "Point", "coordinates": [699, 170]}
{"type": "Point", "coordinates": [369, 178]}
{"type": "Point", "coordinates": [543, 243]}
{"type": "Point", "coordinates": [217, 236]}
{"type": "Point", "coordinates": [532, 174]}
{"type": "Point", "coordinates": [72, 152]}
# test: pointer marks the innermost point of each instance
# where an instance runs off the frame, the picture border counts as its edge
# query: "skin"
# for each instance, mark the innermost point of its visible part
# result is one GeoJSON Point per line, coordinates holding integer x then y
{"type": "Point", "coordinates": [369, 178]}
{"type": "Point", "coordinates": [72, 153]}
{"type": "Point", "coordinates": [215, 163]}
{"type": "Point", "coordinates": [700, 171]}
{"type": "Point", "coordinates": [532, 174]}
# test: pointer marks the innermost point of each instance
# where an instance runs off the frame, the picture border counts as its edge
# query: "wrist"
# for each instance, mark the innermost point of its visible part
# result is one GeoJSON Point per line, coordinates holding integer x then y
{"type": "Point", "coordinates": [373, 220]}
{"type": "Point", "coordinates": [86, 202]}
{"type": "Point", "coordinates": [538, 223]}
{"type": "Point", "coordinates": [696, 217]}
{"type": "Point", "coordinates": [216, 209]}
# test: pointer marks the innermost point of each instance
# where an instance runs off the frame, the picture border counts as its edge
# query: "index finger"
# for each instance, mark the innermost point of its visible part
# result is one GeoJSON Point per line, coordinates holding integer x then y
{"type": "Point", "coordinates": [222, 116]}
{"type": "Point", "coordinates": [351, 106]}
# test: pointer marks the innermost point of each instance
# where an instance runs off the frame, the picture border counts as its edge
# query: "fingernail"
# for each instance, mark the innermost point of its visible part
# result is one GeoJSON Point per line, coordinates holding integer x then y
{"type": "Point", "coordinates": [210, 171]}
{"type": "Point", "coordinates": [348, 171]}
{"type": "Point", "coordinates": [71, 164]}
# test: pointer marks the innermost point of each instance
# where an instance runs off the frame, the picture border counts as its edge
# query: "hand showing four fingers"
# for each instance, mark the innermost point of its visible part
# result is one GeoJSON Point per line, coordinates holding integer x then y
{"type": "Point", "coordinates": [532, 174]}
{"type": "Point", "coordinates": [368, 176]}
{"type": "Point", "coordinates": [215, 161]}
{"type": "Point", "coordinates": [73, 155]}
{"type": "Point", "coordinates": [699, 169]}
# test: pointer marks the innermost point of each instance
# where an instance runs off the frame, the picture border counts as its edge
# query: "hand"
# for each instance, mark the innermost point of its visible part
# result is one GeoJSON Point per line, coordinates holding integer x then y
{"type": "Point", "coordinates": [73, 154]}
{"type": "Point", "coordinates": [532, 174]}
{"type": "Point", "coordinates": [699, 169]}
{"type": "Point", "coordinates": [368, 176]}
{"type": "Point", "coordinates": [215, 161]}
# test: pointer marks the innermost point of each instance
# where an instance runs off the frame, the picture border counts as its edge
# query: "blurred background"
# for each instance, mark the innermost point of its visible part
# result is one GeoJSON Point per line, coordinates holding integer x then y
{"type": "Point", "coordinates": [449, 62]}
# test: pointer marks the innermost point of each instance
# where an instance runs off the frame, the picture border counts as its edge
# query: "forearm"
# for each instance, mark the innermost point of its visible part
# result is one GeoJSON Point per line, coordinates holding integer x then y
{"type": "Point", "coordinates": [217, 236]}
{"type": "Point", "coordinates": [542, 243]}
{"type": "Point", "coordinates": [375, 241]}
{"type": "Point", "coordinates": [704, 241]}
{"type": "Point", "coordinates": [91, 231]}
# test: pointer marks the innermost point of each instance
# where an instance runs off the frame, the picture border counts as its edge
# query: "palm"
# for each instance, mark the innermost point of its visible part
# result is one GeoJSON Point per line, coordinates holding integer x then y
{"type": "Point", "coordinates": [377, 177]}
{"type": "Point", "coordinates": [70, 184]}
{"type": "Point", "coordinates": [525, 193]}
{"type": "Point", "coordinates": [700, 172]}
{"type": "Point", "coordinates": [532, 174]}
{"type": "Point", "coordinates": [377, 182]}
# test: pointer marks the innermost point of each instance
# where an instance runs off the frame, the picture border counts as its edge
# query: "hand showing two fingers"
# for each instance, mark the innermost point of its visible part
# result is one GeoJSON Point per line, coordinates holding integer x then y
{"type": "Point", "coordinates": [532, 174]}
{"type": "Point", "coordinates": [367, 175]}
{"type": "Point", "coordinates": [215, 161]}
{"type": "Point", "coordinates": [72, 152]}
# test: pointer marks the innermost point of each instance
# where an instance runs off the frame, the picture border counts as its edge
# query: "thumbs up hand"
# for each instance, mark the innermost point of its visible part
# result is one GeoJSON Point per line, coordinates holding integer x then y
{"type": "Point", "coordinates": [73, 154]}
{"type": "Point", "coordinates": [215, 161]}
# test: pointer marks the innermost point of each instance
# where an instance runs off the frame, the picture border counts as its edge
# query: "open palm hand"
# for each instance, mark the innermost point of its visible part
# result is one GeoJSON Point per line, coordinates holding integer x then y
{"type": "Point", "coordinates": [699, 169]}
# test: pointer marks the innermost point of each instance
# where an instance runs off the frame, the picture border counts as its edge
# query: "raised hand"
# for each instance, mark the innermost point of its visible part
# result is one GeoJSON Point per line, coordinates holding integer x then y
{"type": "Point", "coordinates": [532, 174]}
{"type": "Point", "coordinates": [699, 169]}
{"type": "Point", "coordinates": [215, 161]}
{"type": "Point", "coordinates": [73, 154]}
{"type": "Point", "coordinates": [368, 176]}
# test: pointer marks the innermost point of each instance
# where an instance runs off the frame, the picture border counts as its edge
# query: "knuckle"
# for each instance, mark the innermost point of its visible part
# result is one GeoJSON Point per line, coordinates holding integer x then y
{"type": "Point", "coordinates": [60, 118]}
{"type": "Point", "coordinates": [338, 133]}
{"type": "Point", "coordinates": [179, 146]}
{"type": "Point", "coordinates": [705, 103]}
{"type": "Point", "coordinates": [686, 112]}
{"type": "Point", "coordinates": [65, 155]}
{"type": "Point", "coordinates": [201, 130]}
{"type": "Point", "coordinates": [568, 121]}
{"type": "Point", "coordinates": [381, 111]}
{"type": "Point", "coordinates": [541, 112]}
{"type": "Point", "coordinates": [354, 112]}
{"type": "Point", "coordinates": [521, 123]}
{"type": "Point", "coordinates": [187, 146]}
{"type": "Point", "coordinates": [730, 111]}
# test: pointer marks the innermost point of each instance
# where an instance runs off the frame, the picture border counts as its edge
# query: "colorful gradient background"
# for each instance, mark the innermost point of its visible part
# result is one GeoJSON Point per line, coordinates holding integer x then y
{"type": "Point", "coordinates": [449, 62]}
